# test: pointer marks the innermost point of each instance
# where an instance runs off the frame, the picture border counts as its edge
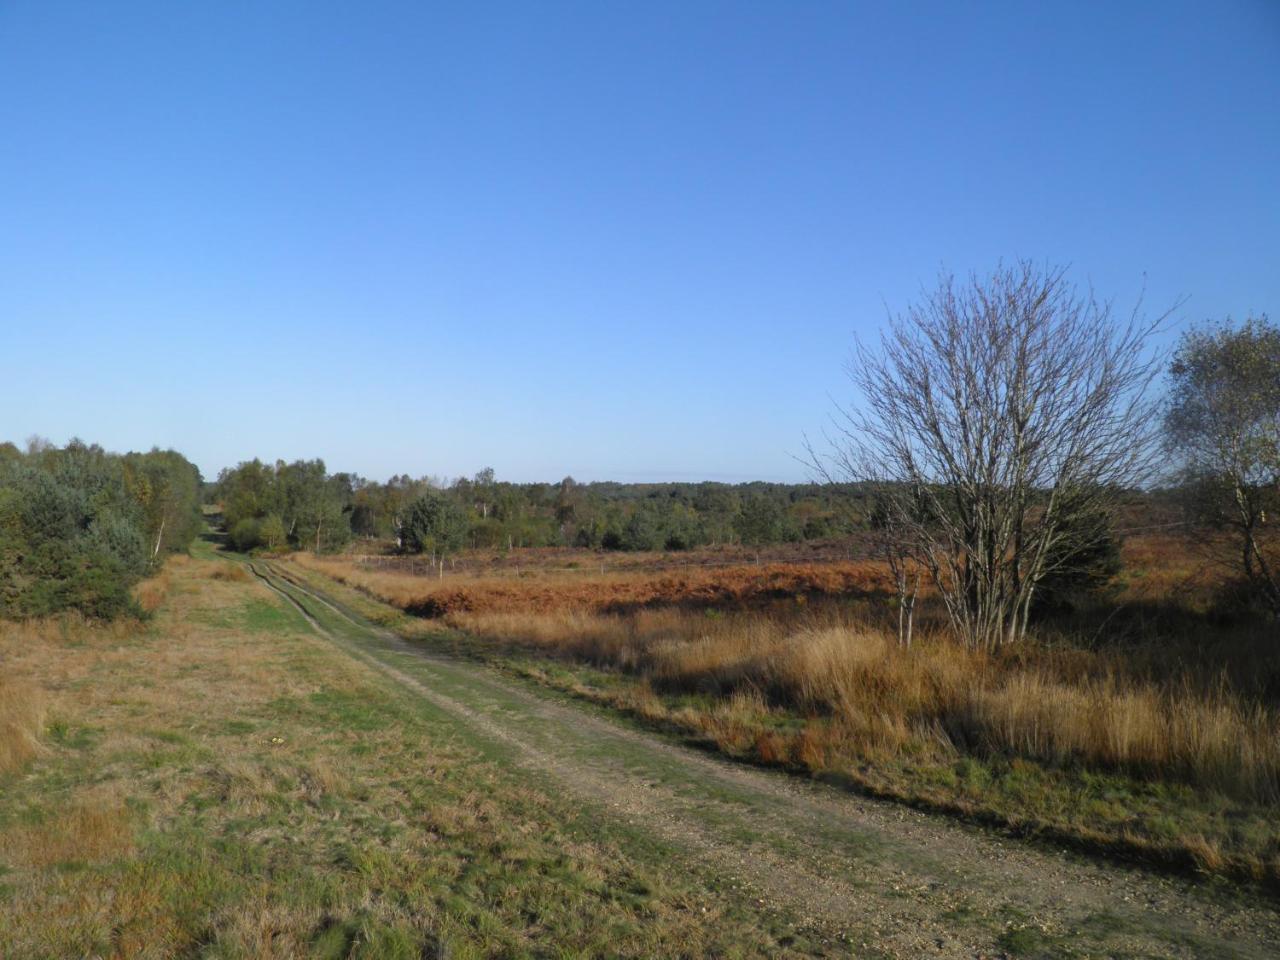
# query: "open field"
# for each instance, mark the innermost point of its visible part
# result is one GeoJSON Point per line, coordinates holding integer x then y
{"type": "Point", "coordinates": [639, 481]}
{"type": "Point", "coordinates": [1151, 732]}
{"type": "Point", "coordinates": [260, 772]}
{"type": "Point", "coordinates": [1156, 567]}
{"type": "Point", "coordinates": [541, 584]}
{"type": "Point", "coordinates": [223, 782]}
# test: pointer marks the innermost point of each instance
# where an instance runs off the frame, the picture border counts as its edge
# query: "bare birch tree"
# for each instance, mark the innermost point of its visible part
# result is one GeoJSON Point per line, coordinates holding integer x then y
{"type": "Point", "coordinates": [892, 545]}
{"type": "Point", "coordinates": [993, 413]}
{"type": "Point", "coordinates": [1223, 424]}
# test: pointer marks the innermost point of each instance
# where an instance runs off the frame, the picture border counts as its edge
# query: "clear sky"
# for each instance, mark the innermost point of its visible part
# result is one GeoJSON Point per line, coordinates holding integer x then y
{"type": "Point", "coordinates": [613, 240]}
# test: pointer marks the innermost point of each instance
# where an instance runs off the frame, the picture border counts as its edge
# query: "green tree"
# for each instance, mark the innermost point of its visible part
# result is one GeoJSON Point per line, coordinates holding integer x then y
{"type": "Point", "coordinates": [314, 507]}
{"type": "Point", "coordinates": [245, 534]}
{"type": "Point", "coordinates": [645, 529]}
{"type": "Point", "coordinates": [482, 487]}
{"type": "Point", "coordinates": [1223, 423]}
{"type": "Point", "coordinates": [79, 526]}
{"type": "Point", "coordinates": [247, 491]}
{"type": "Point", "coordinates": [759, 521]}
{"type": "Point", "coordinates": [167, 488]}
{"type": "Point", "coordinates": [434, 524]}
{"type": "Point", "coordinates": [272, 533]}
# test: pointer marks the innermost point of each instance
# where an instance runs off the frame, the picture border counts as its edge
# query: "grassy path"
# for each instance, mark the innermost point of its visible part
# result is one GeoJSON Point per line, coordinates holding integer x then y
{"type": "Point", "coordinates": [844, 870]}
{"type": "Point", "coordinates": [226, 782]}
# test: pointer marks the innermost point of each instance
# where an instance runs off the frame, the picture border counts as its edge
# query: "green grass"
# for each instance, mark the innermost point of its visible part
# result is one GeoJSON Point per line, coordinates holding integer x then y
{"type": "Point", "coordinates": [270, 616]}
{"type": "Point", "coordinates": [249, 791]}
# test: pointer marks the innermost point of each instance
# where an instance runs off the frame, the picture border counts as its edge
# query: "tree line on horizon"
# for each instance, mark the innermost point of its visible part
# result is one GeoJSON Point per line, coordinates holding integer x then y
{"type": "Point", "coordinates": [300, 506]}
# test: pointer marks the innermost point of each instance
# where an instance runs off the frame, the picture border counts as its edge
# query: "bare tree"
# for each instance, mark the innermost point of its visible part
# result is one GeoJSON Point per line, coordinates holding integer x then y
{"type": "Point", "coordinates": [891, 543]}
{"type": "Point", "coordinates": [1223, 424]}
{"type": "Point", "coordinates": [993, 414]}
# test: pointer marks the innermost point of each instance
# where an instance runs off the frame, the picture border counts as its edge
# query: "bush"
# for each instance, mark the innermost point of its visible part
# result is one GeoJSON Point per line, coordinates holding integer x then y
{"type": "Point", "coordinates": [272, 532]}
{"type": "Point", "coordinates": [1082, 566]}
{"type": "Point", "coordinates": [433, 523]}
{"type": "Point", "coordinates": [245, 535]}
{"type": "Point", "coordinates": [678, 540]}
{"type": "Point", "coordinates": [80, 526]}
{"type": "Point", "coordinates": [1237, 601]}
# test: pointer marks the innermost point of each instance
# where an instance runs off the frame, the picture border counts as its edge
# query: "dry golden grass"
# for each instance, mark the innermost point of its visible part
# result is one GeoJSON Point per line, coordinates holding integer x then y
{"type": "Point", "coordinates": [150, 593]}
{"type": "Point", "coordinates": [1149, 722]}
{"type": "Point", "coordinates": [933, 697]}
{"type": "Point", "coordinates": [22, 713]}
{"type": "Point", "coordinates": [232, 572]}
{"type": "Point", "coordinates": [92, 828]}
{"type": "Point", "coordinates": [1153, 708]}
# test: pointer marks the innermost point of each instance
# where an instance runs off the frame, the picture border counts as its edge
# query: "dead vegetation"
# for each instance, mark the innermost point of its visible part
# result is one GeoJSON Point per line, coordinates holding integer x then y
{"type": "Point", "coordinates": [22, 712]}
{"type": "Point", "coordinates": [536, 589]}
{"type": "Point", "coordinates": [935, 698]}
{"type": "Point", "coordinates": [231, 572]}
{"type": "Point", "coordinates": [93, 828]}
{"type": "Point", "coordinates": [800, 665]}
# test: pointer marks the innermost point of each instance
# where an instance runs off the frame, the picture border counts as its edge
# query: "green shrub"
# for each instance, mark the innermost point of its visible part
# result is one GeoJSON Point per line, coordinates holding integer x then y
{"type": "Point", "coordinates": [245, 535]}
{"type": "Point", "coordinates": [80, 526]}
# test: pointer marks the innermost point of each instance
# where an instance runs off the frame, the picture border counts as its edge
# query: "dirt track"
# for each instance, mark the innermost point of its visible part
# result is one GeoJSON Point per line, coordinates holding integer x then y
{"type": "Point", "coordinates": [873, 878]}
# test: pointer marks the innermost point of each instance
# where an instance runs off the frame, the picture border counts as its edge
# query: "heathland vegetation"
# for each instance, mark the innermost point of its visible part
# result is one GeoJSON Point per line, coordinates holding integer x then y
{"type": "Point", "coordinates": [1042, 593]}
{"type": "Point", "coordinates": [1034, 582]}
{"type": "Point", "coordinates": [1143, 720]}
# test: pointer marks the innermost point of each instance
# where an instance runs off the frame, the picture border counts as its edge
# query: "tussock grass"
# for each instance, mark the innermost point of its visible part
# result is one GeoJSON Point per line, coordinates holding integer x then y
{"type": "Point", "coordinates": [934, 698]}
{"type": "Point", "coordinates": [22, 716]}
{"type": "Point", "coordinates": [151, 593]}
{"type": "Point", "coordinates": [230, 572]}
{"type": "Point", "coordinates": [1179, 774]}
{"type": "Point", "coordinates": [67, 630]}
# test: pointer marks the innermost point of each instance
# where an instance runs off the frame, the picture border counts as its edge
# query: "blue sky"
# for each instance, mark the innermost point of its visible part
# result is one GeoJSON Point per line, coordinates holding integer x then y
{"type": "Point", "coordinates": [613, 240]}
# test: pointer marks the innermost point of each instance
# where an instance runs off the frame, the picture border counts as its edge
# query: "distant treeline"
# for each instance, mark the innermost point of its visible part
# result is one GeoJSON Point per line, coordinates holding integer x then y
{"type": "Point", "coordinates": [301, 505]}
{"type": "Point", "coordinates": [80, 526]}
